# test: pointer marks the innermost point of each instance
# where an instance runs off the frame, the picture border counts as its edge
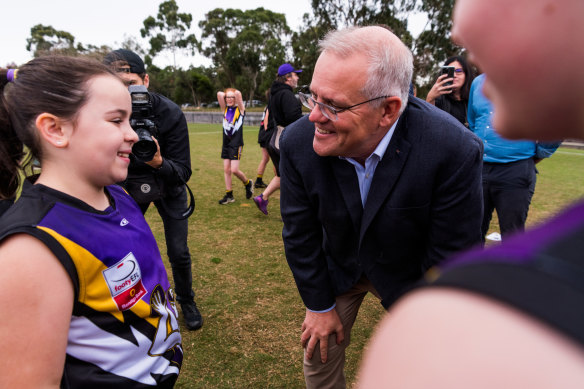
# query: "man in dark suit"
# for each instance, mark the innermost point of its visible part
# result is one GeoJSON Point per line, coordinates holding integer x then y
{"type": "Point", "coordinates": [375, 190]}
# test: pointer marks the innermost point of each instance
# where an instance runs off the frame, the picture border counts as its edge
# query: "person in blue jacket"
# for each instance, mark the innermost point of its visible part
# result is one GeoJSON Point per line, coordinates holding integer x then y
{"type": "Point", "coordinates": [509, 172]}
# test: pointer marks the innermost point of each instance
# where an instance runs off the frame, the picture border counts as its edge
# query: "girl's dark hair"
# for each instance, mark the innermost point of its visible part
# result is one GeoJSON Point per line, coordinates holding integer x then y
{"type": "Point", "coordinates": [52, 84]}
{"type": "Point", "coordinates": [468, 74]}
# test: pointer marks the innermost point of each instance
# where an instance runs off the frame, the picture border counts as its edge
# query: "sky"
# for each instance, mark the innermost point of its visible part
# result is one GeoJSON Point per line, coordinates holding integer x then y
{"type": "Point", "coordinates": [109, 22]}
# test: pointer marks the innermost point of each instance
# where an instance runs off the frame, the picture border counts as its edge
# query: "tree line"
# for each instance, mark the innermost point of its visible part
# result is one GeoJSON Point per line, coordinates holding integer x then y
{"type": "Point", "coordinates": [246, 47]}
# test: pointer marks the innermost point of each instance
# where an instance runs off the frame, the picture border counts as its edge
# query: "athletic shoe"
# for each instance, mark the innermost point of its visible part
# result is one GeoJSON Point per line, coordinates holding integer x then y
{"type": "Point", "coordinates": [261, 203]}
{"type": "Point", "coordinates": [228, 198]}
{"type": "Point", "coordinates": [259, 183]}
{"type": "Point", "coordinates": [249, 189]}
{"type": "Point", "coordinates": [193, 318]}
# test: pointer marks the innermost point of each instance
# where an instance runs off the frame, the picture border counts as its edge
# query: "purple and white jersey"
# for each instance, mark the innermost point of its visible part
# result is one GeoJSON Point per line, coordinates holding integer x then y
{"type": "Point", "coordinates": [124, 328]}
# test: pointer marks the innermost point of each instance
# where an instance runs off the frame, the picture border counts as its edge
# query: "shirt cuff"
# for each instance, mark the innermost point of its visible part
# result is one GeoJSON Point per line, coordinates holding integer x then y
{"type": "Point", "coordinates": [324, 310]}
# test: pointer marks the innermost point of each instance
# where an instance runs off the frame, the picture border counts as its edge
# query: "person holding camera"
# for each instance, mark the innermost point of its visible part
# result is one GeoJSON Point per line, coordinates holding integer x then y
{"type": "Point", "coordinates": [162, 179]}
{"type": "Point", "coordinates": [450, 94]}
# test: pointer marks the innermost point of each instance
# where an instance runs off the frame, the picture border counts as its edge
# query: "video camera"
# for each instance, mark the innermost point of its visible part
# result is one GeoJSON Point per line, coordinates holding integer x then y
{"type": "Point", "coordinates": [141, 121]}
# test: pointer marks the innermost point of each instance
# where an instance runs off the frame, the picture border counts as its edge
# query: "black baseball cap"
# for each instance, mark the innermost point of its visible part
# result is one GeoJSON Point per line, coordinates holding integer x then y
{"type": "Point", "coordinates": [130, 58]}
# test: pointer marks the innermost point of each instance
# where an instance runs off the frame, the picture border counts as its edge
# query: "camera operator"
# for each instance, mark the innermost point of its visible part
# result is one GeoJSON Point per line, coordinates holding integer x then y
{"type": "Point", "coordinates": [162, 178]}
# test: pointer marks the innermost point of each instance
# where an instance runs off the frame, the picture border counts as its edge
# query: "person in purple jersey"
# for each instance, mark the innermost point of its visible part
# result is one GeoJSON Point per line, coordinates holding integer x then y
{"type": "Point", "coordinates": [509, 316]}
{"type": "Point", "coordinates": [84, 294]}
{"type": "Point", "coordinates": [233, 108]}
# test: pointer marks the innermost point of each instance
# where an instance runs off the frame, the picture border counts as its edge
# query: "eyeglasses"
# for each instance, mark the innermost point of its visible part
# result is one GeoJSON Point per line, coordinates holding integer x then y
{"type": "Point", "coordinates": [458, 70]}
{"type": "Point", "coordinates": [331, 113]}
{"type": "Point", "coordinates": [123, 70]}
{"type": "Point", "coordinates": [229, 97]}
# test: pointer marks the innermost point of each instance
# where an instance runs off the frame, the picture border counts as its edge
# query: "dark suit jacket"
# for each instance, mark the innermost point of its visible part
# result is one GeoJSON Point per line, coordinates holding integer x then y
{"type": "Point", "coordinates": [424, 204]}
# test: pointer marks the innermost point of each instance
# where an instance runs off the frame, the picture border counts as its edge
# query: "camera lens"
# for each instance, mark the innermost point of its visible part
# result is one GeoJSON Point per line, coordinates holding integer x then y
{"type": "Point", "coordinates": [145, 148]}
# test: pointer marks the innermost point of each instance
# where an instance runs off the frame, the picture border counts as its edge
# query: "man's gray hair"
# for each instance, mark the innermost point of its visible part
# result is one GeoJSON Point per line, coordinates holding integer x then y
{"type": "Point", "coordinates": [390, 61]}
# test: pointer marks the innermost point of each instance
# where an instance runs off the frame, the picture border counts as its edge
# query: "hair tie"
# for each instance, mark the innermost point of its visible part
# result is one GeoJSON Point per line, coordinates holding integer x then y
{"type": "Point", "coordinates": [11, 74]}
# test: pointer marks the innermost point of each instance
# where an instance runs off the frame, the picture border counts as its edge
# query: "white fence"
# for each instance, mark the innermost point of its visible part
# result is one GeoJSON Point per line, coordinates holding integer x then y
{"type": "Point", "coordinates": [251, 118]}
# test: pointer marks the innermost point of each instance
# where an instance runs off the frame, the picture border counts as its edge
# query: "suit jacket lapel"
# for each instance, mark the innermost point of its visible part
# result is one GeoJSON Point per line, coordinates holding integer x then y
{"type": "Point", "coordinates": [386, 174]}
{"type": "Point", "coordinates": [347, 181]}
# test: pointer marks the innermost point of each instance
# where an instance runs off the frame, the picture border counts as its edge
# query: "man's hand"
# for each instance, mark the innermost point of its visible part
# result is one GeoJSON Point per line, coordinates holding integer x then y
{"type": "Point", "coordinates": [317, 327]}
{"type": "Point", "coordinates": [156, 161]}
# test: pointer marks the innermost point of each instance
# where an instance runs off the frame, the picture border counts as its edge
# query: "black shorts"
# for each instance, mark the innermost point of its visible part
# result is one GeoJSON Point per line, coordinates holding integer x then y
{"type": "Point", "coordinates": [232, 146]}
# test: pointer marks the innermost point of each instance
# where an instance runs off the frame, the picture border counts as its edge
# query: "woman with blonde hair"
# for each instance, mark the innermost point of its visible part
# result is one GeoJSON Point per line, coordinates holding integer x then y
{"type": "Point", "coordinates": [233, 110]}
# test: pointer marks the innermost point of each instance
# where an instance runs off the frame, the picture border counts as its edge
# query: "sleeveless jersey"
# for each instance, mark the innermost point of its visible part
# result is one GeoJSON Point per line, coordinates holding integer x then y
{"type": "Point", "coordinates": [124, 329]}
{"type": "Point", "coordinates": [232, 121]}
{"type": "Point", "coordinates": [538, 272]}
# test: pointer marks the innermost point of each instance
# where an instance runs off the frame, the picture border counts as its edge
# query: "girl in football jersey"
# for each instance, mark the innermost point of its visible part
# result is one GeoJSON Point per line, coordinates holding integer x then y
{"type": "Point", "coordinates": [231, 104]}
{"type": "Point", "coordinates": [84, 295]}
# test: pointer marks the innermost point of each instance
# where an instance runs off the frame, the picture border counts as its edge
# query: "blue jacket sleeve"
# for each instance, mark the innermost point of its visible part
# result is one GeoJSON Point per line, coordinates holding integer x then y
{"type": "Point", "coordinates": [545, 150]}
{"type": "Point", "coordinates": [470, 114]}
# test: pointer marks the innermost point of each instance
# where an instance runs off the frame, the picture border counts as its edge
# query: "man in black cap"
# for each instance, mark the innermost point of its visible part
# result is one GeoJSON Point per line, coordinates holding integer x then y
{"type": "Point", "coordinates": [170, 169]}
{"type": "Point", "coordinates": [285, 108]}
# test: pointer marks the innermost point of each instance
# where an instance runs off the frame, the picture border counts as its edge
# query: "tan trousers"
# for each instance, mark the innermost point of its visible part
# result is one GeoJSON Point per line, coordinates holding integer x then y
{"type": "Point", "coordinates": [331, 374]}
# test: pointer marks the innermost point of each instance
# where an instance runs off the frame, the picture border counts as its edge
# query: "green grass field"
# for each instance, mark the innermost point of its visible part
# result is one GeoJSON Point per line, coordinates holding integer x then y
{"type": "Point", "coordinates": [244, 288]}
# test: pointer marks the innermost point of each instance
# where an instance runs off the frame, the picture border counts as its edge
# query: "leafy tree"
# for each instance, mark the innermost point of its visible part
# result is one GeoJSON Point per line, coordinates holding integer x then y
{"type": "Point", "coordinates": [305, 46]}
{"type": "Point", "coordinates": [96, 52]}
{"type": "Point", "coordinates": [434, 44]}
{"type": "Point", "coordinates": [169, 31]}
{"type": "Point", "coordinates": [241, 44]}
{"type": "Point", "coordinates": [334, 14]}
{"type": "Point", "coordinates": [193, 86]}
{"type": "Point", "coordinates": [430, 48]}
{"type": "Point", "coordinates": [162, 80]}
{"type": "Point", "coordinates": [271, 64]}
{"type": "Point", "coordinates": [46, 39]}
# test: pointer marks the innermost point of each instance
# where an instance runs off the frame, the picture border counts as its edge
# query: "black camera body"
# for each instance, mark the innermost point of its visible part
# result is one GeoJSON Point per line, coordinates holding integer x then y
{"type": "Point", "coordinates": [142, 122]}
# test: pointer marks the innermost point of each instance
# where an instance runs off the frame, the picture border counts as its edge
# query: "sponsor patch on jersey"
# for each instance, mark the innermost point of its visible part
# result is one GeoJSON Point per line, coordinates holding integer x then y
{"type": "Point", "coordinates": [124, 280]}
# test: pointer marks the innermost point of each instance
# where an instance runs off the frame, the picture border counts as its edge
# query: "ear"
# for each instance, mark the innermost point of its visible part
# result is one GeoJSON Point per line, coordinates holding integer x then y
{"type": "Point", "coordinates": [146, 80]}
{"type": "Point", "coordinates": [391, 107]}
{"type": "Point", "coordinates": [51, 130]}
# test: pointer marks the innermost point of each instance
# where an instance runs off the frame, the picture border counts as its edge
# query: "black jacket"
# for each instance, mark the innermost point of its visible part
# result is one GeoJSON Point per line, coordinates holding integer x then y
{"type": "Point", "coordinates": [284, 106]}
{"type": "Point", "coordinates": [425, 204]}
{"type": "Point", "coordinates": [173, 138]}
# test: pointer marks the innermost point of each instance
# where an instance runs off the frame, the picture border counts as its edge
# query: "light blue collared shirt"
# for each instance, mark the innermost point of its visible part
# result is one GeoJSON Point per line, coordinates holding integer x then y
{"type": "Point", "coordinates": [365, 175]}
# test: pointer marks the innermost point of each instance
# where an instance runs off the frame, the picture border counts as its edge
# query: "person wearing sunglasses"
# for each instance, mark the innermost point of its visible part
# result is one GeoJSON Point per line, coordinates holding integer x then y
{"type": "Point", "coordinates": [451, 94]}
{"type": "Point", "coordinates": [377, 186]}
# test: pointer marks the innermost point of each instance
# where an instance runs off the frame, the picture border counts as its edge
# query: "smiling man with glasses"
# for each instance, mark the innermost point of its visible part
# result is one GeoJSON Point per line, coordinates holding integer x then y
{"type": "Point", "coordinates": [377, 186]}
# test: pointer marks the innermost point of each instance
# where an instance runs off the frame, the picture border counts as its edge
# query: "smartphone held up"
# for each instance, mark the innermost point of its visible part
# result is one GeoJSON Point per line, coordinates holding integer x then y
{"type": "Point", "coordinates": [449, 71]}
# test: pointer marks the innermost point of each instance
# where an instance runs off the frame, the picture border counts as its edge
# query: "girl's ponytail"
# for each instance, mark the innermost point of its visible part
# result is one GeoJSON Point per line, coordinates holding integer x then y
{"type": "Point", "coordinates": [11, 148]}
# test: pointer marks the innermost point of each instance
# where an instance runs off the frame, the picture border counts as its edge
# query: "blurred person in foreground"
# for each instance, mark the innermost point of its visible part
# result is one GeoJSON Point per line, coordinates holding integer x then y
{"type": "Point", "coordinates": [377, 187]}
{"type": "Point", "coordinates": [509, 316]}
